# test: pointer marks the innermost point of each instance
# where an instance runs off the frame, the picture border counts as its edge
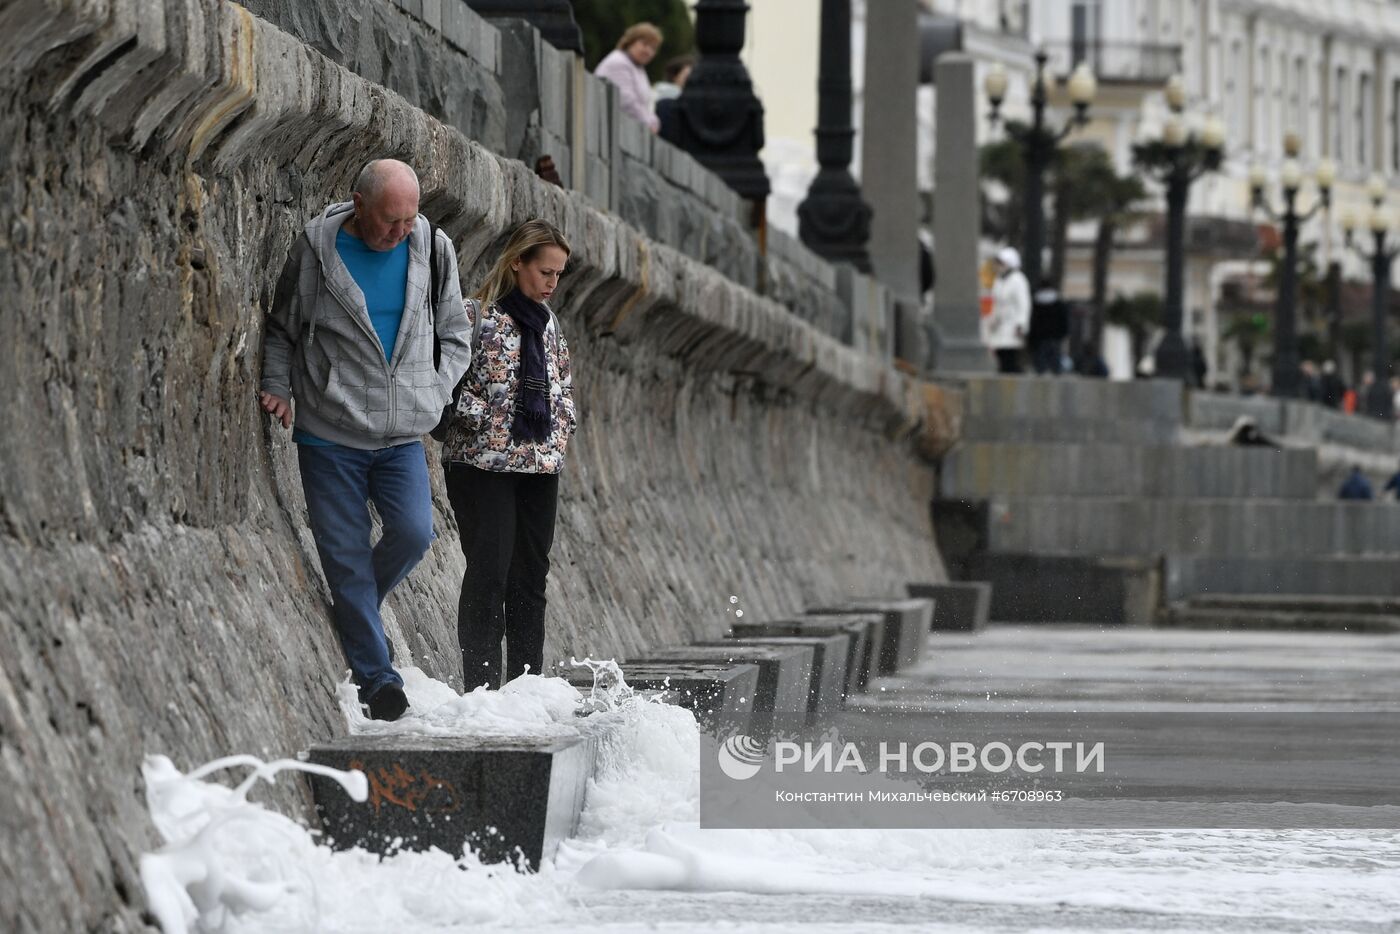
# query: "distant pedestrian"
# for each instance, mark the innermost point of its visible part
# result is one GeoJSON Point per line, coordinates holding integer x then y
{"type": "Point", "coordinates": [1331, 386]}
{"type": "Point", "coordinates": [503, 455]}
{"type": "Point", "coordinates": [1011, 311]}
{"type": "Point", "coordinates": [668, 93]}
{"type": "Point", "coordinates": [1246, 433]}
{"type": "Point", "coordinates": [1392, 484]}
{"type": "Point", "coordinates": [1200, 369]}
{"type": "Point", "coordinates": [1312, 383]}
{"type": "Point", "coordinates": [625, 68]}
{"type": "Point", "coordinates": [350, 338]}
{"type": "Point", "coordinates": [677, 71]}
{"type": "Point", "coordinates": [1048, 330]}
{"type": "Point", "coordinates": [1356, 486]}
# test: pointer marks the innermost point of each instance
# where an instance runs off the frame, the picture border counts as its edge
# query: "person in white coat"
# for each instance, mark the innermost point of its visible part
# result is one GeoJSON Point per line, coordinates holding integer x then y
{"type": "Point", "coordinates": [1011, 311]}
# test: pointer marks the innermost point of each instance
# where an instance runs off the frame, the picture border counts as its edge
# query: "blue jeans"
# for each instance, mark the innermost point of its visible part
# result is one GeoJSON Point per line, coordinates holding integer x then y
{"type": "Point", "coordinates": [337, 482]}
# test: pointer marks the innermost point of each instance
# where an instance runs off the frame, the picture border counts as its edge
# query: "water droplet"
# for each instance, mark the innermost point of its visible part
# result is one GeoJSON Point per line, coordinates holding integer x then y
{"type": "Point", "coordinates": [733, 599]}
{"type": "Point", "coordinates": [738, 613]}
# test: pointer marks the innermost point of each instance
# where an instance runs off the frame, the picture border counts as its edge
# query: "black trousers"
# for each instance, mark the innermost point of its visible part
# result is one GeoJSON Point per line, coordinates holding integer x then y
{"type": "Point", "coordinates": [1009, 360]}
{"type": "Point", "coordinates": [506, 522]}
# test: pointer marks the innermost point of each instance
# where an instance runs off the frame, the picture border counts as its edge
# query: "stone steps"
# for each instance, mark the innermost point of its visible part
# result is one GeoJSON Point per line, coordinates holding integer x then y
{"type": "Point", "coordinates": [1122, 526]}
{"type": "Point", "coordinates": [1186, 576]}
{"type": "Point", "coordinates": [974, 470]}
{"type": "Point", "coordinates": [1187, 616]}
{"type": "Point", "coordinates": [1299, 603]}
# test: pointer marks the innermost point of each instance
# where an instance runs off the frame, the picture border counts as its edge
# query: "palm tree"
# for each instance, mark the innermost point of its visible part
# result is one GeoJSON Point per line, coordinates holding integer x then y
{"type": "Point", "coordinates": [1085, 186]}
{"type": "Point", "coordinates": [1001, 162]}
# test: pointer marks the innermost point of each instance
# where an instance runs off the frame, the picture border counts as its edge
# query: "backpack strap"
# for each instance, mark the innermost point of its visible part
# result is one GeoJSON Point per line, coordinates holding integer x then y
{"type": "Point", "coordinates": [478, 312]}
{"type": "Point", "coordinates": [434, 287]}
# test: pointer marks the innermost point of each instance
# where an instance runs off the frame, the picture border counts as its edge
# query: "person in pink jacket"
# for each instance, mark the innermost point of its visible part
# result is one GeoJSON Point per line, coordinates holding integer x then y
{"type": "Point", "coordinates": [625, 68]}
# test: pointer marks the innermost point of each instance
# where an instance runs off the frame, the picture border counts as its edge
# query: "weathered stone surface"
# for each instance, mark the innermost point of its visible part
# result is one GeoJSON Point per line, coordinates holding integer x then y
{"type": "Point", "coordinates": [451, 74]}
{"type": "Point", "coordinates": [159, 591]}
{"type": "Point", "coordinates": [449, 792]}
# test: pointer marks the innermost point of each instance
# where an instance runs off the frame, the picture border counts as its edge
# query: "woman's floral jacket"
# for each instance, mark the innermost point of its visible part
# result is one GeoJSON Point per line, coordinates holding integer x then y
{"type": "Point", "coordinates": [480, 434]}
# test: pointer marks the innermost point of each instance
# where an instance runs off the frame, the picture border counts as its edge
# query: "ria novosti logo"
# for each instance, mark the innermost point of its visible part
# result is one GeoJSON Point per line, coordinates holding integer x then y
{"type": "Point", "coordinates": [740, 756]}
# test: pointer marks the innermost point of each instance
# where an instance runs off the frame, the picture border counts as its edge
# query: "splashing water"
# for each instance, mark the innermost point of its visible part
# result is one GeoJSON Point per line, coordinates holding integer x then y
{"type": "Point", "coordinates": [198, 875]}
{"type": "Point", "coordinates": [231, 865]}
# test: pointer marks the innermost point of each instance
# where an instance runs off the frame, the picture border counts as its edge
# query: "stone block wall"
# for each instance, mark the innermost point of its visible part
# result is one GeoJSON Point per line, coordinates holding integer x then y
{"type": "Point", "coordinates": [159, 591]}
{"type": "Point", "coordinates": [500, 84]}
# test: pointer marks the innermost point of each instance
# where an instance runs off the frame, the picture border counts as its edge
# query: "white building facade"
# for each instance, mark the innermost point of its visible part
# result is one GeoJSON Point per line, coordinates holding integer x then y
{"type": "Point", "coordinates": [1327, 71]}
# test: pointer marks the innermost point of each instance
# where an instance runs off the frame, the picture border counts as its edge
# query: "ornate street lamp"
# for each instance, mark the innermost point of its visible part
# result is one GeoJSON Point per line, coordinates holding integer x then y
{"type": "Point", "coordinates": [834, 219]}
{"type": "Point", "coordinates": [1379, 402]}
{"type": "Point", "coordinates": [1285, 369]}
{"type": "Point", "coordinates": [1039, 143]}
{"type": "Point", "coordinates": [1176, 160]}
{"type": "Point", "coordinates": [721, 120]}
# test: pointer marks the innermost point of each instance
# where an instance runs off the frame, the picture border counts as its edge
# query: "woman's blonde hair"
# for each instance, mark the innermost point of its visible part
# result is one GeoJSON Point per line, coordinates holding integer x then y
{"type": "Point", "coordinates": [640, 32]}
{"type": "Point", "coordinates": [525, 241]}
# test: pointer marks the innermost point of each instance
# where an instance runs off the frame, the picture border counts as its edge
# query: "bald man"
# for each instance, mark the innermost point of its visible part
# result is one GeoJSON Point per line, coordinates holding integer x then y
{"type": "Point", "coordinates": [348, 348]}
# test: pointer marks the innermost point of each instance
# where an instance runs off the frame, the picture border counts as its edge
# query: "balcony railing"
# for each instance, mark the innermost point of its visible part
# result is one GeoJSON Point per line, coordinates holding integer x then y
{"type": "Point", "coordinates": [1117, 62]}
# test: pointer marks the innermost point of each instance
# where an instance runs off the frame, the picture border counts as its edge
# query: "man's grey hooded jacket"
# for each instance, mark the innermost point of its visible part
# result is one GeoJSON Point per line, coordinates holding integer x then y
{"type": "Point", "coordinates": [320, 348]}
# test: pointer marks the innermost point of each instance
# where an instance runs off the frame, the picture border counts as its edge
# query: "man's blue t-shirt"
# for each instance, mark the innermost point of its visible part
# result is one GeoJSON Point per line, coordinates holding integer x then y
{"type": "Point", "coordinates": [383, 278]}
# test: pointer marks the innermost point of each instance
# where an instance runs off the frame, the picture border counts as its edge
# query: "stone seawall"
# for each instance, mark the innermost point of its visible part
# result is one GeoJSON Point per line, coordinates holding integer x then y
{"type": "Point", "coordinates": [159, 591]}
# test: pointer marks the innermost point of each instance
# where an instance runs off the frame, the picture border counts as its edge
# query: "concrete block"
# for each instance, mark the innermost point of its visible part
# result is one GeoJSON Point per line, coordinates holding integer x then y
{"type": "Point", "coordinates": [555, 83]}
{"type": "Point", "coordinates": [830, 658]}
{"type": "Point", "coordinates": [457, 23]}
{"type": "Point", "coordinates": [865, 630]}
{"type": "Point", "coordinates": [634, 139]}
{"type": "Point", "coordinates": [907, 625]}
{"type": "Point", "coordinates": [1032, 588]}
{"type": "Point", "coordinates": [447, 791]}
{"type": "Point", "coordinates": [432, 13]}
{"type": "Point", "coordinates": [784, 673]}
{"type": "Point", "coordinates": [958, 606]}
{"type": "Point", "coordinates": [720, 696]}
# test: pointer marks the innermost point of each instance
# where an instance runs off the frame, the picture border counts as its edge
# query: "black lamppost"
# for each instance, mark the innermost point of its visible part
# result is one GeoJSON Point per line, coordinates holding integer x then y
{"type": "Point", "coordinates": [1176, 160]}
{"type": "Point", "coordinates": [1285, 368]}
{"type": "Point", "coordinates": [834, 220]}
{"type": "Point", "coordinates": [1039, 144]}
{"type": "Point", "coordinates": [1379, 402]}
{"type": "Point", "coordinates": [721, 120]}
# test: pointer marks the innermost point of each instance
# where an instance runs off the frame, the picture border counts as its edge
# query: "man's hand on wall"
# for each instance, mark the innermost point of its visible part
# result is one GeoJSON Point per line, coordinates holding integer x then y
{"type": "Point", "coordinates": [279, 408]}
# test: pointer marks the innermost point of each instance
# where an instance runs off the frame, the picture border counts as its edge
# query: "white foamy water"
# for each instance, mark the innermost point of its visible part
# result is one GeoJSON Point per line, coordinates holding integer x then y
{"type": "Point", "coordinates": [232, 865]}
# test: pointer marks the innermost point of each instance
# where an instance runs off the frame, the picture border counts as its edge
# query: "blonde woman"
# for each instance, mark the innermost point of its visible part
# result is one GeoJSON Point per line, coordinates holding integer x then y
{"type": "Point", "coordinates": [503, 454]}
{"type": "Point", "coordinates": [626, 67]}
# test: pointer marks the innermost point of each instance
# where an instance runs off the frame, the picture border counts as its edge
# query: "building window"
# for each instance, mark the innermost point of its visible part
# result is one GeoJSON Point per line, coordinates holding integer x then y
{"type": "Point", "coordinates": [1237, 90]}
{"type": "Point", "coordinates": [1365, 119]}
{"type": "Point", "coordinates": [1395, 125]}
{"type": "Point", "coordinates": [1300, 102]}
{"type": "Point", "coordinates": [1265, 106]}
{"type": "Point", "coordinates": [1339, 111]}
{"type": "Point", "coordinates": [1086, 30]}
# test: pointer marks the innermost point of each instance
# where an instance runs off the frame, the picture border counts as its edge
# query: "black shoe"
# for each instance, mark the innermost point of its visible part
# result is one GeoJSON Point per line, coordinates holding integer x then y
{"type": "Point", "coordinates": [388, 703]}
